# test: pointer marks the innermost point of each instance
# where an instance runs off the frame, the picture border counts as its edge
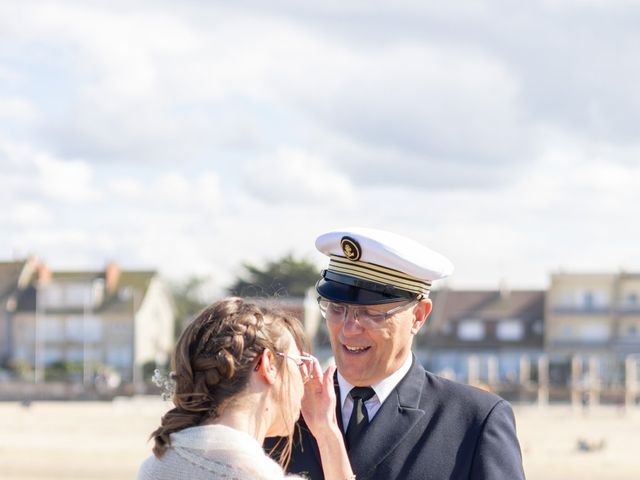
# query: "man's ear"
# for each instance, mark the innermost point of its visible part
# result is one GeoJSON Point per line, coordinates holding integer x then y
{"type": "Point", "coordinates": [421, 312]}
{"type": "Point", "coordinates": [267, 368]}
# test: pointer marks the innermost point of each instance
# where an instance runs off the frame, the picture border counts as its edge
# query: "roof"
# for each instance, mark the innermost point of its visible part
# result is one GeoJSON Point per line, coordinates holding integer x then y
{"type": "Point", "coordinates": [129, 291]}
{"type": "Point", "coordinates": [126, 295]}
{"type": "Point", "coordinates": [15, 277]}
{"type": "Point", "coordinates": [488, 305]}
{"type": "Point", "coordinates": [9, 276]}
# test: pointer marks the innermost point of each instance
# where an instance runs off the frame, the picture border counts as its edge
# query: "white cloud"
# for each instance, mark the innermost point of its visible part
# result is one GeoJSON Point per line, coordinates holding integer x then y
{"type": "Point", "coordinates": [193, 136]}
{"type": "Point", "coordinates": [297, 177]}
{"type": "Point", "coordinates": [127, 189]}
{"type": "Point", "coordinates": [68, 181]}
{"type": "Point", "coordinates": [441, 102]}
{"type": "Point", "coordinates": [29, 213]}
{"type": "Point", "coordinates": [34, 172]}
{"type": "Point", "coordinates": [17, 109]}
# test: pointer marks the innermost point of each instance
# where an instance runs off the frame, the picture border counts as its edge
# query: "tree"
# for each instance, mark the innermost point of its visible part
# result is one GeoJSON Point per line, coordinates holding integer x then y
{"type": "Point", "coordinates": [187, 301]}
{"type": "Point", "coordinates": [285, 277]}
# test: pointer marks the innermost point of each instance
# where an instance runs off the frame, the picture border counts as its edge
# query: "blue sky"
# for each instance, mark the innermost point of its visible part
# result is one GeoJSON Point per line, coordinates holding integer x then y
{"type": "Point", "coordinates": [192, 136]}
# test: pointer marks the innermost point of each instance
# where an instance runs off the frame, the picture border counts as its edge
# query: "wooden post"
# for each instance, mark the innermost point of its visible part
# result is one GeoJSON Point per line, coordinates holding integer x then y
{"type": "Point", "coordinates": [576, 382]}
{"type": "Point", "coordinates": [594, 381]}
{"type": "Point", "coordinates": [630, 381]}
{"type": "Point", "coordinates": [492, 372]}
{"type": "Point", "coordinates": [525, 371]}
{"type": "Point", "coordinates": [543, 381]}
{"type": "Point", "coordinates": [473, 377]}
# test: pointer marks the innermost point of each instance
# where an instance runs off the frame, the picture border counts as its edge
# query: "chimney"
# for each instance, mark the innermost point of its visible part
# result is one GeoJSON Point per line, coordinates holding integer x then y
{"type": "Point", "coordinates": [505, 291]}
{"type": "Point", "coordinates": [111, 277]}
{"type": "Point", "coordinates": [44, 274]}
{"type": "Point", "coordinates": [29, 270]}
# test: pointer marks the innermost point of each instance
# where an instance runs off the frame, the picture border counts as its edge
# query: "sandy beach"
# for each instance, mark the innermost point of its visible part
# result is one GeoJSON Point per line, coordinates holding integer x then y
{"type": "Point", "coordinates": [108, 440]}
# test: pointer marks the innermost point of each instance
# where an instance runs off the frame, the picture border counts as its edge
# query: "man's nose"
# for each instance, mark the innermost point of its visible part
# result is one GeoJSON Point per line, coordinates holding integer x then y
{"type": "Point", "coordinates": [351, 326]}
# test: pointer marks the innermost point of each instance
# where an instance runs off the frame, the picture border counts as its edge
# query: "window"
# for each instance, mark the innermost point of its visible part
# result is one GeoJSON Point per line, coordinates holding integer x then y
{"type": "Point", "coordinates": [587, 300]}
{"type": "Point", "coordinates": [82, 328]}
{"type": "Point", "coordinates": [93, 329]}
{"type": "Point", "coordinates": [78, 294]}
{"type": "Point", "coordinates": [50, 296]}
{"type": "Point", "coordinates": [51, 329]}
{"type": "Point", "coordinates": [565, 332]}
{"type": "Point", "coordinates": [510, 330]}
{"type": "Point", "coordinates": [51, 355]}
{"type": "Point", "coordinates": [594, 300]}
{"type": "Point", "coordinates": [23, 353]}
{"type": "Point", "coordinates": [594, 332]}
{"type": "Point", "coordinates": [566, 300]}
{"type": "Point", "coordinates": [471, 330]}
{"type": "Point", "coordinates": [119, 356]}
{"type": "Point", "coordinates": [538, 327]}
{"type": "Point", "coordinates": [121, 328]}
{"type": "Point", "coordinates": [75, 329]}
{"type": "Point", "coordinates": [94, 354]}
{"type": "Point", "coordinates": [65, 294]}
{"type": "Point", "coordinates": [75, 355]}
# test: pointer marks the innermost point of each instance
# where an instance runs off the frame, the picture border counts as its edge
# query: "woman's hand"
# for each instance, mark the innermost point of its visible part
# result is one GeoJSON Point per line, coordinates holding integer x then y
{"type": "Point", "coordinates": [319, 401]}
{"type": "Point", "coordinates": [319, 412]}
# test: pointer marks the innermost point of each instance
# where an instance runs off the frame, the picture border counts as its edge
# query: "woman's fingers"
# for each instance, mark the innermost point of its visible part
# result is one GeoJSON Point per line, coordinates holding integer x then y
{"type": "Point", "coordinates": [328, 374]}
{"type": "Point", "coordinates": [316, 370]}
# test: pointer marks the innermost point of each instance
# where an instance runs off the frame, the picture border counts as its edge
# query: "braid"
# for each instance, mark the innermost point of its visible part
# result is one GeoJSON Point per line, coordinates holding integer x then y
{"type": "Point", "coordinates": [213, 362]}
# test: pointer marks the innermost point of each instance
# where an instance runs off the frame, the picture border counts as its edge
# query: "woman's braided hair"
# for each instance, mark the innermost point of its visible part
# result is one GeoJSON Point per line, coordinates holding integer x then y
{"type": "Point", "coordinates": [214, 358]}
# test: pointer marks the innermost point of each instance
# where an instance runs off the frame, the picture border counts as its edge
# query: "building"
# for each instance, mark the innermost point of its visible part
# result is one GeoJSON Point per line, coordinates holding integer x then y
{"type": "Point", "coordinates": [592, 326]}
{"type": "Point", "coordinates": [14, 278]}
{"type": "Point", "coordinates": [492, 337]}
{"type": "Point", "coordinates": [89, 326]}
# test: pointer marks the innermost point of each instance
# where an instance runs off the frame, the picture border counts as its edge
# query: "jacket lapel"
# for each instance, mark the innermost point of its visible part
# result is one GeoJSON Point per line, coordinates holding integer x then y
{"type": "Point", "coordinates": [395, 418]}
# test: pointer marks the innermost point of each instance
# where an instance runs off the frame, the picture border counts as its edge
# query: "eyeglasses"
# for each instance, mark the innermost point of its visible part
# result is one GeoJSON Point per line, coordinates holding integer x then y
{"type": "Point", "coordinates": [304, 363]}
{"type": "Point", "coordinates": [366, 316]}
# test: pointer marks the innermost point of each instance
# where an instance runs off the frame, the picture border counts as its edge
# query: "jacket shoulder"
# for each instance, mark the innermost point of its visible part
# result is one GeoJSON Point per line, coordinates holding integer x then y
{"type": "Point", "coordinates": [454, 395]}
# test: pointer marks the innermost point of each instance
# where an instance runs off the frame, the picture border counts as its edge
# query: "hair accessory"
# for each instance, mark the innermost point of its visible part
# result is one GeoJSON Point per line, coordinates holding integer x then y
{"type": "Point", "coordinates": [166, 382]}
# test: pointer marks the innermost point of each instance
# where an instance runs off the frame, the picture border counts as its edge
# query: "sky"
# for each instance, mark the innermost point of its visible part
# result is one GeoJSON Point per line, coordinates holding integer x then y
{"type": "Point", "coordinates": [193, 136]}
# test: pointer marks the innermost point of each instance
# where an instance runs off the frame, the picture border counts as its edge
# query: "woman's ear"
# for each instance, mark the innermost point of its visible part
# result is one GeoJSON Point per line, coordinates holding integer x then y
{"type": "Point", "coordinates": [267, 368]}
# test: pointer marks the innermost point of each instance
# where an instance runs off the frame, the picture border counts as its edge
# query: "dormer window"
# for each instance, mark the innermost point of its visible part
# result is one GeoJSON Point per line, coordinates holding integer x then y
{"type": "Point", "coordinates": [471, 330]}
{"type": "Point", "coordinates": [511, 330]}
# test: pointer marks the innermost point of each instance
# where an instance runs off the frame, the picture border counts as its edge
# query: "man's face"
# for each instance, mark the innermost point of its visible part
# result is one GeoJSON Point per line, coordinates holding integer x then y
{"type": "Point", "coordinates": [365, 356]}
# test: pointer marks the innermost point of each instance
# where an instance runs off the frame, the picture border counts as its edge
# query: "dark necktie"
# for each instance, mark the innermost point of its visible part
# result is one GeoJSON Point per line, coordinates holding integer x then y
{"type": "Point", "coordinates": [359, 416]}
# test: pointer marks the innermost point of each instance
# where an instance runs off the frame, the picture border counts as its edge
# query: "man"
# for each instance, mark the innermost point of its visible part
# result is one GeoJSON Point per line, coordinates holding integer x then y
{"type": "Point", "coordinates": [410, 424]}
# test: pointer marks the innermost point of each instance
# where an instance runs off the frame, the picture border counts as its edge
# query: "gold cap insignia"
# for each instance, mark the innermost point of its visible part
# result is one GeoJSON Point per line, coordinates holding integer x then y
{"type": "Point", "coordinates": [351, 248]}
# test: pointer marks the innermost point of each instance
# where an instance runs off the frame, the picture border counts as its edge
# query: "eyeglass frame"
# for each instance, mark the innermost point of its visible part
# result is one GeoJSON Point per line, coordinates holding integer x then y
{"type": "Point", "coordinates": [305, 360]}
{"type": "Point", "coordinates": [300, 361]}
{"type": "Point", "coordinates": [372, 324]}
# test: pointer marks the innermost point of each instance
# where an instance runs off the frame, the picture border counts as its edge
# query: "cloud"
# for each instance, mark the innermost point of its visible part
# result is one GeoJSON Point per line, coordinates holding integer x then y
{"type": "Point", "coordinates": [194, 136]}
{"type": "Point", "coordinates": [297, 177]}
{"type": "Point", "coordinates": [27, 213]}
{"type": "Point", "coordinates": [36, 173]}
{"type": "Point", "coordinates": [19, 110]}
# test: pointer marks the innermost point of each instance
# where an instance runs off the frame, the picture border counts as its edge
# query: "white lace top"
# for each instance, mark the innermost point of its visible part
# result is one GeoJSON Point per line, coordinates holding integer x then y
{"type": "Point", "coordinates": [212, 452]}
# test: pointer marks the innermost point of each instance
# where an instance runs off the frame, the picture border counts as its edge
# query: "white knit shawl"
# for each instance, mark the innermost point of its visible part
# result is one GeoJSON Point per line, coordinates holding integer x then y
{"type": "Point", "coordinates": [212, 452]}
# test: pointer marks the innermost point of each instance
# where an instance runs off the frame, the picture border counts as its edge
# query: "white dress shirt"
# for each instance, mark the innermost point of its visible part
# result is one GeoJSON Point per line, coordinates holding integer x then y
{"type": "Point", "coordinates": [383, 389]}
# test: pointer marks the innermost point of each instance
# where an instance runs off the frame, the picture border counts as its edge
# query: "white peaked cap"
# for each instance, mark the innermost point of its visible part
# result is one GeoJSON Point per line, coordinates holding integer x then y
{"type": "Point", "coordinates": [392, 266]}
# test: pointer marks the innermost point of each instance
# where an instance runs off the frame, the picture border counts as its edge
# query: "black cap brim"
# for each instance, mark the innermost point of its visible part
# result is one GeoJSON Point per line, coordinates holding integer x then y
{"type": "Point", "coordinates": [356, 294]}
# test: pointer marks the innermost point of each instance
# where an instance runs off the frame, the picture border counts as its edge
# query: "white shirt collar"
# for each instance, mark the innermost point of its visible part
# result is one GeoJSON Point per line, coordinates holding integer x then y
{"type": "Point", "coordinates": [383, 389]}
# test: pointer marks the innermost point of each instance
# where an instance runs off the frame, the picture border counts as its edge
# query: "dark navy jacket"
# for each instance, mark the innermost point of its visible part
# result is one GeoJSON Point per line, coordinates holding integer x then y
{"type": "Point", "coordinates": [429, 428]}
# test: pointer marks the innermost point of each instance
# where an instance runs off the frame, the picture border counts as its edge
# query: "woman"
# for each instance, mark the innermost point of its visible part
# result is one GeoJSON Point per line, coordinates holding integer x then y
{"type": "Point", "coordinates": [240, 376]}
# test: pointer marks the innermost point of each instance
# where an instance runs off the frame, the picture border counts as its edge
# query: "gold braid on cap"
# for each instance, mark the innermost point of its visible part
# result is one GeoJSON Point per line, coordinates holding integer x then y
{"type": "Point", "coordinates": [377, 274]}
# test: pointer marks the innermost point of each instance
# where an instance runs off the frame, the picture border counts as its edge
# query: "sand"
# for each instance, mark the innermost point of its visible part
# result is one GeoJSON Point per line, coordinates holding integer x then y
{"type": "Point", "coordinates": [108, 440]}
